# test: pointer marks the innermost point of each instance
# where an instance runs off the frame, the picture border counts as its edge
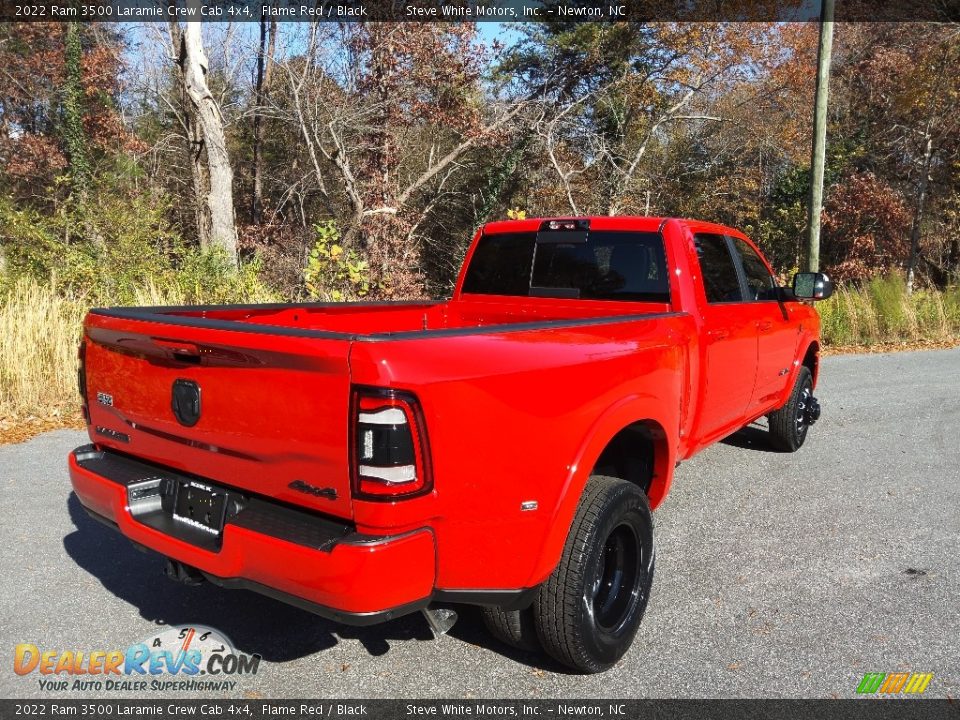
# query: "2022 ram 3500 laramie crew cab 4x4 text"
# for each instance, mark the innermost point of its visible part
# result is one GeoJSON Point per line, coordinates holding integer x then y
{"type": "Point", "coordinates": [503, 448]}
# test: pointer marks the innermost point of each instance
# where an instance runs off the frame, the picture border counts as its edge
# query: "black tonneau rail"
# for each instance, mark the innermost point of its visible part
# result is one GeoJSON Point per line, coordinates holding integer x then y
{"type": "Point", "coordinates": [174, 315]}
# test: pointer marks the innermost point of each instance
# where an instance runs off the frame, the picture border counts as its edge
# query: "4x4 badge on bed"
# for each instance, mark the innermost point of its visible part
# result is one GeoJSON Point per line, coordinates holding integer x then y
{"type": "Point", "coordinates": [186, 402]}
{"type": "Point", "coordinates": [325, 492]}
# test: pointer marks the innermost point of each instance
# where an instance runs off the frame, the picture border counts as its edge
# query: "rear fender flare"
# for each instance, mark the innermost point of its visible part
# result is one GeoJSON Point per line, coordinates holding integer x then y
{"type": "Point", "coordinates": [630, 410]}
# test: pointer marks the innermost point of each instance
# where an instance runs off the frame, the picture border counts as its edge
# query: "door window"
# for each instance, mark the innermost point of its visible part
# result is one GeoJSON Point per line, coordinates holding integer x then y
{"type": "Point", "coordinates": [760, 283]}
{"type": "Point", "coordinates": [606, 265]}
{"type": "Point", "coordinates": [720, 280]}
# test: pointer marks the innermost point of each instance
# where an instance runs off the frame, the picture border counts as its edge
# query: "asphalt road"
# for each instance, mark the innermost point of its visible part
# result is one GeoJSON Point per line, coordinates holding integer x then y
{"type": "Point", "coordinates": [777, 575]}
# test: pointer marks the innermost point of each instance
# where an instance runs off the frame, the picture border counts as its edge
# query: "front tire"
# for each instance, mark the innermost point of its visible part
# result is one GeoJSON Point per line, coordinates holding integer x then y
{"type": "Point", "coordinates": [588, 611]}
{"type": "Point", "coordinates": [788, 426]}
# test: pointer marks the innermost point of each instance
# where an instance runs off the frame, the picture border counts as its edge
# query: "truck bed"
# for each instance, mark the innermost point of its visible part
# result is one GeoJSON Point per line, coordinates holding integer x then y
{"type": "Point", "coordinates": [276, 379]}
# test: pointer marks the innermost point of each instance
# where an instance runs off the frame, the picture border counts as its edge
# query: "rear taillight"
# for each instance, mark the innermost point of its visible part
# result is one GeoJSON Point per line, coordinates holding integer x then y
{"type": "Point", "coordinates": [389, 454]}
{"type": "Point", "coordinates": [82, 379]}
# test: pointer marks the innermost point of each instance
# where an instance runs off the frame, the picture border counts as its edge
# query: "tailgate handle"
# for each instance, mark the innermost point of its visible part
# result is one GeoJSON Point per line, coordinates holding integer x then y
{"type": "Point", "coordinates": [182, 351]}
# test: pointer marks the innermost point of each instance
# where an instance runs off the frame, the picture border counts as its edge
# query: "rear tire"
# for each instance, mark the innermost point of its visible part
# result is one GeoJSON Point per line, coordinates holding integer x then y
{"type": "Point", "coordinates": [588, 611]}
{"type": "Point", "coordinates": [515, 628]}
{"type": "Point", "coordinates": [788, 425]}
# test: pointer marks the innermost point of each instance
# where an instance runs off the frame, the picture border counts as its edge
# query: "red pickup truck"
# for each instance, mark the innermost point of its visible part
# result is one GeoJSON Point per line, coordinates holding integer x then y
{"type": "Point", "coordinates": [503, 448]}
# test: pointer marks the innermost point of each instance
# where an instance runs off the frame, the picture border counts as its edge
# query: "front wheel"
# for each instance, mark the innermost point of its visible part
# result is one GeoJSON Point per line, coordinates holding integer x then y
{"type": "Point", "coordinates": [789, 424]}
{"type": "Point", "coordinates": [589, 609]}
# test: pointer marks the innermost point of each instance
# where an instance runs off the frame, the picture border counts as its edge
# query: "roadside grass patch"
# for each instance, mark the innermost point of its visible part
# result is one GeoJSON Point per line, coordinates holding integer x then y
{"type": "Point", "coordinates": [40, 330]}
{"type": "Point", "coordinates": [881, 312]}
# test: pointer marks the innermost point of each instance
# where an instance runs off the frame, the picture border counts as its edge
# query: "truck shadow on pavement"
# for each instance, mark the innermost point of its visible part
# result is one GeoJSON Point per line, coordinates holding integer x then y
{"type": "Point", "coordinates": [751, 437]}
{"type": "Point", "coordinates": [256, 624]}
{"type": "Point", "coordinates": [471, 630]}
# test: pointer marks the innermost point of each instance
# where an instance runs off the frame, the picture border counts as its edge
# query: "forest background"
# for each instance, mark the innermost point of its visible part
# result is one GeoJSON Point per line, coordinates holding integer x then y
{"type": "Point", "coordinates": [174, 163]}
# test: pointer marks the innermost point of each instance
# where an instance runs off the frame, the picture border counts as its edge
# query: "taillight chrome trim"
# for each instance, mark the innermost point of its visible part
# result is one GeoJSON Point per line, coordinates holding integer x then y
{"type": "Point", "coordinates": [384, 416]}
{"type": "Point", "coordinates": [397, 475]}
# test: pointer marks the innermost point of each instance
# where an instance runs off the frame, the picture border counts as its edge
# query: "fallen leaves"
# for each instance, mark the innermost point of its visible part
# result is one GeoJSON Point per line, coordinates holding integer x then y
{"type": "Point", "coordinates": [17, 430]}
{"type": "Point", "coordinates": [892, 347]}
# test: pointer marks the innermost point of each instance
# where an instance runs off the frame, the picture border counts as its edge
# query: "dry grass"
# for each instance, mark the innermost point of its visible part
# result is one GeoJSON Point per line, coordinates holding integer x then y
{"type": "Point", "coordinates": [880, 313]}
{"type": "Point", "coordinates": [39, 334]}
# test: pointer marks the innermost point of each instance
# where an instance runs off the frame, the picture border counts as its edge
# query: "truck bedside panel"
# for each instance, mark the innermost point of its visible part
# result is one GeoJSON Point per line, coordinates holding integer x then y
{"type": "Point", "coordinates": [513, 418]}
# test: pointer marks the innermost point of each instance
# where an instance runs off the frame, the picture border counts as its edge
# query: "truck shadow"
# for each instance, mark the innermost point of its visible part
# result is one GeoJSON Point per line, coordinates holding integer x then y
{"type": "Point", "coordinates": [471, 630]}
{"type": "Point", "coordinates": [751, 437]}
{"type": "Point", "coordinates": [256, 624]}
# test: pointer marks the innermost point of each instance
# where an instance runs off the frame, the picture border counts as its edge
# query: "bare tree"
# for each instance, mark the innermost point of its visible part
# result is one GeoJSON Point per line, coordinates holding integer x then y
{"type": "Point", "coordinates": [600, 125]}
{"type": "Point", "coordinates": [385, 140]}
{"type": "Point", "coordinates": [210, 162]}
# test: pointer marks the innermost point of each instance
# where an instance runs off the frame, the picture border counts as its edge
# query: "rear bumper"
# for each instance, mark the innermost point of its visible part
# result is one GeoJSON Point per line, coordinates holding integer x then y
{"type": "Point", "coordinates": [302, 559]}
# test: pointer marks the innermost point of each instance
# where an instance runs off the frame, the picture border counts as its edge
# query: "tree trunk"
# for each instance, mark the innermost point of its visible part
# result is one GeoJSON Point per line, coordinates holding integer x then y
{"type": "Point", "coordinates": [264, 68]}
{"type": "Point", "coordinates": [212, 173]}
{"type": "Point", "coordinates": [953, 261]}
{"type": "Point", "coordinates": [384, 233]}
{"type": "Point", "coordinates": [819, 149]}
{"type": "Point", "coordinates": [199, 176]}
{"type": "Point", "coordinates": [918, 213]}
{"type": "Point", "coordinates": [74, 136]}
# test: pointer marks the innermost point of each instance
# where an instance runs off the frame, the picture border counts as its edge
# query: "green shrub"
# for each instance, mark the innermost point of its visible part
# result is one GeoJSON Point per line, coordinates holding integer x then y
{"type": "Point", "coordinates": [332, 272]}
{"type": "Point", "coordinates": [119, 252]}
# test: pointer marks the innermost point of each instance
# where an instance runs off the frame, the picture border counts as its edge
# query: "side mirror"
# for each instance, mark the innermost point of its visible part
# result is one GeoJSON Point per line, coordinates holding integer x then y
{"type": "Point", "coordinates": [812, 286]}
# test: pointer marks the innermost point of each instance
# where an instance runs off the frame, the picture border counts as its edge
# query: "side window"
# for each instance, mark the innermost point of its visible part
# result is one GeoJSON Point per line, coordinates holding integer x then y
{"type": "Point", "coordinates": [760, 282]}
{"type": "Point", "coordinates": [501, 265]}
{"type": "Point", "coordinates": [720, 280]}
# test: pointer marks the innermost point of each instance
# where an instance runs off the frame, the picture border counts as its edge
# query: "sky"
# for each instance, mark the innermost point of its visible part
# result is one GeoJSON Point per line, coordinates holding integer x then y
{"type": "Point", "coordinates": [506, 33]}
{"type": "Point", "coordinates": [141, 37]}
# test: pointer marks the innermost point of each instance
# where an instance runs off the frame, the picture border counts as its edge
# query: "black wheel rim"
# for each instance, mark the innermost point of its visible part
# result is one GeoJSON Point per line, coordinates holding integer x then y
{"type": "Point", "coordinates": [803, 403]}
{"type": "Point", "coordinates": [616, 588]}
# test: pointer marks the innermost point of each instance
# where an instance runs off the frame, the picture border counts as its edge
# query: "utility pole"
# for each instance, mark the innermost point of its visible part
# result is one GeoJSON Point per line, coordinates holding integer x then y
{"type": "Point", "coordinates": [819, 135]}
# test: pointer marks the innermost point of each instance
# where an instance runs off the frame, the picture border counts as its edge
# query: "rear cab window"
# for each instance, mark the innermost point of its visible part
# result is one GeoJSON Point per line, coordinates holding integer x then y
{"type": "Point", "coordinates": [597, 265]}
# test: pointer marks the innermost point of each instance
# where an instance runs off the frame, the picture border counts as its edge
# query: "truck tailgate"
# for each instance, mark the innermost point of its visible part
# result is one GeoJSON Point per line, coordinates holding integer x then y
{"type": "Point", "coordinates": [273, 411]}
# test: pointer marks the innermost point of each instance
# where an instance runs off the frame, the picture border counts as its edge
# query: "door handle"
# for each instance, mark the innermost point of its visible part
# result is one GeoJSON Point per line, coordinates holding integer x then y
{"type": "Point", "coordinates": [764, 325]}
{"type": "Point", "coordinates": [718, 334]}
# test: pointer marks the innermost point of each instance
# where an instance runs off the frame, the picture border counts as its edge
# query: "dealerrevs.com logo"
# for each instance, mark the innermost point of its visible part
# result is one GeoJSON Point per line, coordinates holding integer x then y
{"type": "Point", "coordinates": [179, 658]}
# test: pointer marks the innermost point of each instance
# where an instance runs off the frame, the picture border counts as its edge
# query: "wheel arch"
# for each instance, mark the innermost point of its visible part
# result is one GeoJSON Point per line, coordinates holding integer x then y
{"type": "Point", "coordinates": [811, 360]}
{"type": "Point", "coordinates": [633, 454]}
{"type": "Point", "coordinates": [619, 440]}
{"type": "Point", "coordinates": [808, 356]}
